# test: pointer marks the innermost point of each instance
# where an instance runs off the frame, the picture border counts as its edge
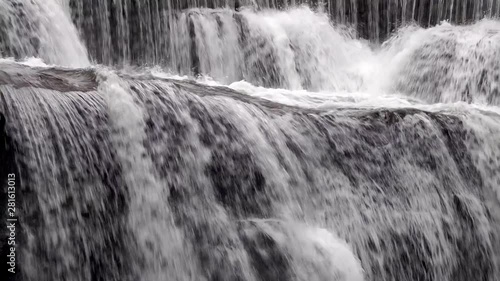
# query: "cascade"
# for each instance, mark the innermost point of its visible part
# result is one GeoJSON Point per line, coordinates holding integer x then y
{"type": "Point", "coordinates": [250, 140]}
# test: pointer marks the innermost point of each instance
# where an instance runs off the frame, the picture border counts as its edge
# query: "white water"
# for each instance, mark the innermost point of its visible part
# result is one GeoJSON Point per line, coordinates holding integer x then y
{"type": "Point", "coordinates": [152, 220]}
{"type": "Point", "coordinates": [275, 49]}
{"type": "Point", "coordinates": [43, 28]}
{"type": "Point", "coordinates": [310, 61]}
{"type": "Point", "coordinates": [318, 66]}
{"type": "Point", "coordinates": [307, 57]}
{"type": "Point", "coordinates": [427, 69]}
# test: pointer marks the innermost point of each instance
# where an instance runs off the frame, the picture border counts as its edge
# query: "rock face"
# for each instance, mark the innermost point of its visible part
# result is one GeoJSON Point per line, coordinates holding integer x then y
{"type": "Point", "coordinates": [128, 177]}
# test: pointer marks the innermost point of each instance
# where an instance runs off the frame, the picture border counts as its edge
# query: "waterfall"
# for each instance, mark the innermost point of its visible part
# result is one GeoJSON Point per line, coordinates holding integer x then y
{"type": "Point", "coordinates": [104, 23]}
{"type": "Point", "coordinates": [143, 178]}
{"type": "Point", "coordinates": [250, 140]}
{"type": "Point", "coordinates": [231, 46]}
{"type": "Point", "coordinates": [40, 29]}
{"type": "Point", "coordinates": [447, 64]}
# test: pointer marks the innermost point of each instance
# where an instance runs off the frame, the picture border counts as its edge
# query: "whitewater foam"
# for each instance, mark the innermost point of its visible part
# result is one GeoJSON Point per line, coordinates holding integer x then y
{"type": "Point", "coordinates": [317, 253]}
{"type": "Point", "coordinates": [41, 29]}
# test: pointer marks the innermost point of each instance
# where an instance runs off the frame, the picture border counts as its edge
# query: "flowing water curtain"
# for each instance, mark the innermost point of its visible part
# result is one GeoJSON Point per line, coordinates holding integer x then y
{"type": "Point", "coordinates": [40, 29]}
{"type": "Point", "coordinates": [132, 179]}
{"type": "Point", "coordinates": [267, 48]}
{"type": "Point", "coordinates": [462, 62]}
{"type": "Point", "coordinates": [108, 25]}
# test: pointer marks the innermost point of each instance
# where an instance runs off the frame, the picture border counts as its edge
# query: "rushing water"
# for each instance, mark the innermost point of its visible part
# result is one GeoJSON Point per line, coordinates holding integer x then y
{"type": "Point", "coordinates": [40, 28]}
{"type": "Point", "coordinates": [123, 24]}
{"type": "Point", "coordinates": [222, 142]}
